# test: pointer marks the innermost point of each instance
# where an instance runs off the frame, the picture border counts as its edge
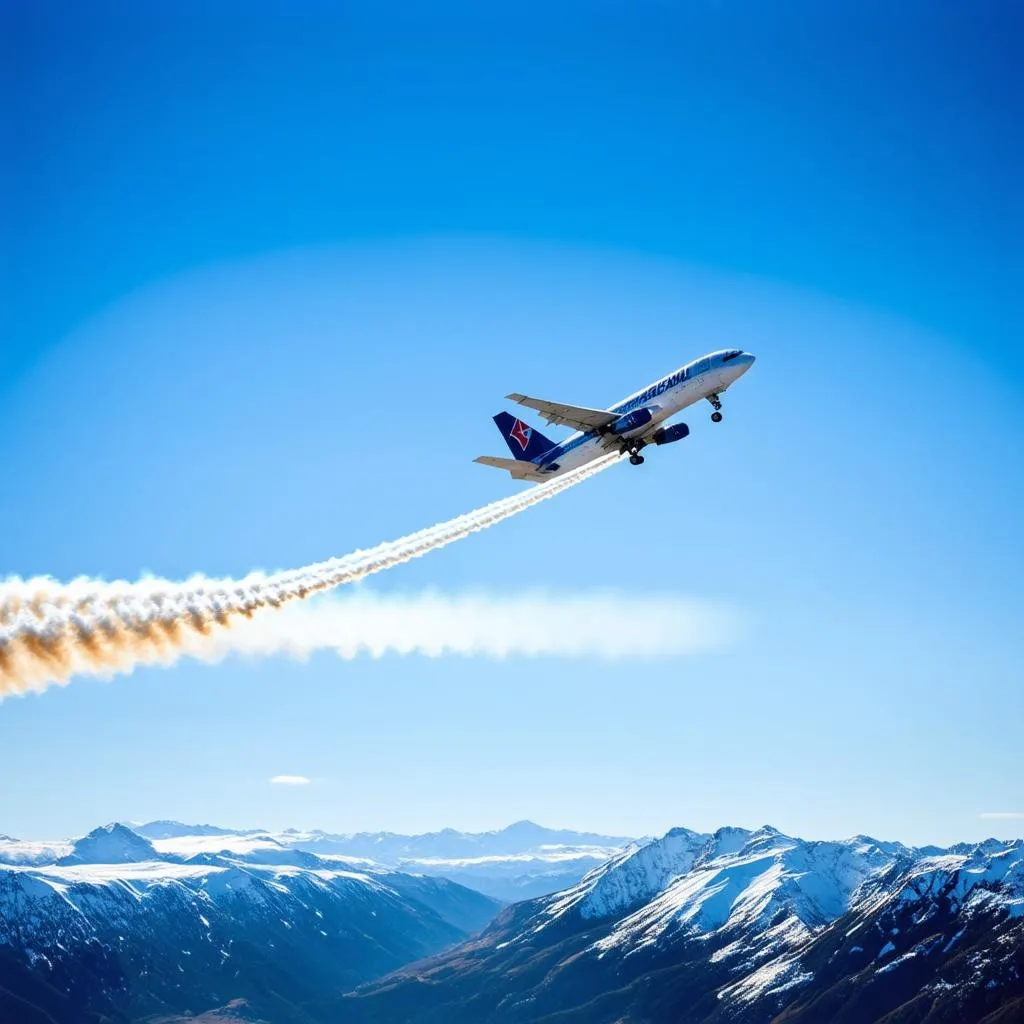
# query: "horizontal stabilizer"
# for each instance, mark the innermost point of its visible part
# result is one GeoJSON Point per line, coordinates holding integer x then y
{"type": "Point", "coordinates": [519, 470]}
{"type": "Point", "coordinates": [576, 416]}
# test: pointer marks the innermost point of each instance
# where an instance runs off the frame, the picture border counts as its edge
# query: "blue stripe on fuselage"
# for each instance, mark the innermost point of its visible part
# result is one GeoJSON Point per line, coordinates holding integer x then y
{"type": "Point", "coordinates": [563, 449]}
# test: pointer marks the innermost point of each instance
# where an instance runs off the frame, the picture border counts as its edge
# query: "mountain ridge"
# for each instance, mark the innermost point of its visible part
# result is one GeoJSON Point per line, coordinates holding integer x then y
{"type": "Point", "coordinates": [737, 926]}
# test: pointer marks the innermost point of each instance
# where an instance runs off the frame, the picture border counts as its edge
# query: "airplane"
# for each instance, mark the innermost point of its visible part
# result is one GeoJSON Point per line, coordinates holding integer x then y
{"type": "Point", "coordinates": [628, 426]}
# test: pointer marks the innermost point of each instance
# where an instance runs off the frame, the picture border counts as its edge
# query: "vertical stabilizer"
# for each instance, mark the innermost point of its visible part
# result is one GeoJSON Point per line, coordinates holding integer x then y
{"type": "Point", "coordinates": [525, 443]}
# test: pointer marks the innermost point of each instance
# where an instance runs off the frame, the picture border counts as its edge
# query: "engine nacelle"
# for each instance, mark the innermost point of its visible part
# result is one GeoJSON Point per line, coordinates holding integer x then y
{"type": "Point", "coordinates": [666, 435]}
{"type": "Point", "coordinates": [632, 421]}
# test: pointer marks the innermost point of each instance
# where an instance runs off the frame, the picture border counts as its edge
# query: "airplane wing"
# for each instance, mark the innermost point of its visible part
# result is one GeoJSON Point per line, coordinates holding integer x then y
{"type": "Point", "coordinates": [576, 416]}
{"type": "Point", "coordinates": [519, 469]}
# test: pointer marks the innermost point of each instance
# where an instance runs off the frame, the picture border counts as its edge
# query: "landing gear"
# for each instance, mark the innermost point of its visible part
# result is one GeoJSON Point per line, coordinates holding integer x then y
{"type": "Point", "coordinates": [716, 417]}
{"type": "Point", "coordinates": [633, 447]}
{"type": "Point", "coordinates": [716, 404]}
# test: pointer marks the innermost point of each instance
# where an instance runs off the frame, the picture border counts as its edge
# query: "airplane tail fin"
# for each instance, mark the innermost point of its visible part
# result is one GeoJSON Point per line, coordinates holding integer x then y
{"type": "Point", "coordinates": [525, 443]}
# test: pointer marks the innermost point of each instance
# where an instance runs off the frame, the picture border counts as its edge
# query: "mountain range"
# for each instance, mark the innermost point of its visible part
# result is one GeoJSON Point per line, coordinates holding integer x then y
{"type": "Point", "coordinates": [167, 921]}
{"type": "Point", "coordinates": [513, 863]}
{"type": "Point", "coordinates": [741, 926]}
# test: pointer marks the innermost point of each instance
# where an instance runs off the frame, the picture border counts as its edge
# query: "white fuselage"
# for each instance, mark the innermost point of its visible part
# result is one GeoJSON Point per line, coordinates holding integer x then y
{"type": "Point", "coordinates": [710, 375]}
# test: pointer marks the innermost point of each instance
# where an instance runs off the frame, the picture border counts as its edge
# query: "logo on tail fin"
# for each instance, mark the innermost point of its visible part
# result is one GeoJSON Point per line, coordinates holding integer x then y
{"type": "Point", "coordinates": [522, 434]}
{"type": "Point", "coordinates": [525, 443]}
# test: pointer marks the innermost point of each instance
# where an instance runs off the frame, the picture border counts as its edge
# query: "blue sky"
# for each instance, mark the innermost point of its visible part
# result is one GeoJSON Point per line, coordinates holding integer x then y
{"type": "Point", "coordinates": [267, 277]}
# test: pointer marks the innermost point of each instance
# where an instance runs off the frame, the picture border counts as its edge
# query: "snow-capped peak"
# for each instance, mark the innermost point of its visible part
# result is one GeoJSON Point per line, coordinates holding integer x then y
{"type": "Point", "coordinates": [110, 844]}
{"type": "Point", "coordinates": [763, 884]}
{"type": "Point", "coordinates": [634, 876]}
{"type": "Point", "coordinates": [961, 877]}
{"type": "Point", "coordinates": [724, 841]}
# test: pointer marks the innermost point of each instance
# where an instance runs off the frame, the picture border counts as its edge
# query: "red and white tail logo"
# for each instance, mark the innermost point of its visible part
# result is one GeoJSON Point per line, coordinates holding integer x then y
{"type": "Point", "coordinates": [522, 433]}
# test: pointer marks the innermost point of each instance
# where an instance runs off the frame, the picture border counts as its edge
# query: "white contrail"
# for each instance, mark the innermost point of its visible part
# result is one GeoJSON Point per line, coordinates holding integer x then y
{"type": "Point", "coordinates": [51, 631]}
{"type": "Point", "coordinates": [601, 624]}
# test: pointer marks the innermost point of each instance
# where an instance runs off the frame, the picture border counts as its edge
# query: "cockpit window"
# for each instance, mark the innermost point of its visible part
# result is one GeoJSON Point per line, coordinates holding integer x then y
{"type": "Point", "coordinates": [732, 355]}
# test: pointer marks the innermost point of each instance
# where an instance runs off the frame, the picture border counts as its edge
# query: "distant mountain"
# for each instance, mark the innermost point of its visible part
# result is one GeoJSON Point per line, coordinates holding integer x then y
{"type": "Point", "coordinates": [110, 844]}
{"type": "Point", "coordinates": [119, 939]}
{"type": "Point", "coordinates": [173, 829]}
{"type": "Point", "coordinates": [741, 926]}
{"type": "Point", "coordinates": [514, 863]}
{"type": "Point", "coordinates": [523, 837]}
{"type": "Point", "coordinates": [21, 851]}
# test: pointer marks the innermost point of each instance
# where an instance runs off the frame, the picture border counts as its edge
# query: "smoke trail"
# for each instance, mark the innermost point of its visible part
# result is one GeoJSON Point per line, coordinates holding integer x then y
{"type": "Point", "coordinates": [532, 623]}
{"type": "Point", "coordinates": [51, 631]}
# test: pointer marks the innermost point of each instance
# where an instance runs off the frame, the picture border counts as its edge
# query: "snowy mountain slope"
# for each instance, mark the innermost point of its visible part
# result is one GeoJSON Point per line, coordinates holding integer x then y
{"type": "Point", "coordinates": [736, 926]}
{"type": "Point", "coordinates": [632, 876]}
{"type": "Point", "coordinates": [771, 889]}
{"type": "Point", "coordinates": [731, 879]}
{"type": "Point", "coordinates": [943, 940]}
{"type": "Point", "coordinates": [140, 937]}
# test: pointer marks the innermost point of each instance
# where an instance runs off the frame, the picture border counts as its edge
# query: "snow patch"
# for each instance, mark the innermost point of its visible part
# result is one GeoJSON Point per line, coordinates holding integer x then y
{"type": "Point", "coordinates": [772, 978]}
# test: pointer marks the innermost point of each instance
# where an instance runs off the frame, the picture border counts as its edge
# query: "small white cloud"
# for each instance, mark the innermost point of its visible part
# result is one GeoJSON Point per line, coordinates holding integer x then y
{"type": "Point", "coordinates": [290, 780]}
{"type": "Point", "coordinates": [1002, 815]}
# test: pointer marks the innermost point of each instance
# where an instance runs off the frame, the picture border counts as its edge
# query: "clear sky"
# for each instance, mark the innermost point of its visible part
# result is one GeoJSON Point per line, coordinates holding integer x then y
{"type": "Point", "coordinates": [267, 276]}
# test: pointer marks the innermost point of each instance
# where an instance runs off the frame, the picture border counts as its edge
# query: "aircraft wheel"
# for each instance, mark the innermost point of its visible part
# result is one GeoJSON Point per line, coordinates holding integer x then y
{"type": "Point", "coordinates": [636, 460]}
{"type": "Point", "coordinates": [716, 417]}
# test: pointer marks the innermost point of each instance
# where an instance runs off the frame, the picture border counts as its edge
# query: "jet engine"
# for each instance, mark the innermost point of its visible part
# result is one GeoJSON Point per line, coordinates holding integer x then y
{"type": "Point", "coordinates": [632, 421]}
{"type": "Point", "coordinates": [666, 435]}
